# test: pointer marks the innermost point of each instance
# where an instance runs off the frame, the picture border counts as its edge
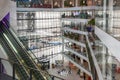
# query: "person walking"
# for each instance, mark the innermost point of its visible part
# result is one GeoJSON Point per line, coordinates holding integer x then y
{"type": "Point", "coordinates": [69, 70]}
{"type": "Point", "coordinates": [78, 72]}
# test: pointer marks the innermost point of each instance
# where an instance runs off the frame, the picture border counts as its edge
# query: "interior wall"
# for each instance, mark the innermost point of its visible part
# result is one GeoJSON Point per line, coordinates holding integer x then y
{"type": "Point", "coordinates": [4, 8]}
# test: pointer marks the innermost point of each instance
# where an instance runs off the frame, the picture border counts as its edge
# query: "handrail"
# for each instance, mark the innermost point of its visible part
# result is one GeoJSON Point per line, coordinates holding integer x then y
{"type": "Point", "coordinates": [17, 56]}
{"type": "Point", "coordinates": [81, 55]}
{"type": "Point", "coordinates": [17, 39]}
{"type": "Point", "coordinates": [75, 31]}
{"type": "Point", "coordinates": [26, 52]}
{"type": "Point", "coordinates": [21, 45]}
{"type": "Point", "coordinates": [29, 67]}
{"type": "Point", "coordinates": [99, 74]}
{"type": "Point", "coordinates": [78, 65]}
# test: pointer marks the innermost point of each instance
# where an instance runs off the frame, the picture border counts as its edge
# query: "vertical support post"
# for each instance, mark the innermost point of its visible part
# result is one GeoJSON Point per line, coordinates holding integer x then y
{"type": "Point", "coordinates": [76, 3]}
{"type": "Point", "coordinates": [63, 41]}
{"type": "Point", "coordinates": [111, 14]}
{"type": "Point", "coordinates": [63, 3]}
{"type": "Point", "coordinates": [30, 74]}
{"type": "Point", "coordinates": [52, 4]}
{"type": "Point", "coordinates": [0, 66]}
{"type": "Point", "coordinates": [52, 77]}
{"type": "Point", "coordinates": [84, 77]}
{"type": "Point", "coordinates": [14, 71]}
{"type": "Point", "coordinates": [96, 75]}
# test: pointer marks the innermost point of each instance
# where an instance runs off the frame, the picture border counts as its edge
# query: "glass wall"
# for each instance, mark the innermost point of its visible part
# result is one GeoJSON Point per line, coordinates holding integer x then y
{"type": "Point", "coordinates": [108, 64]}
{"type": "Point", "coordinates": [40, 31]}
{"type": "Point", "coordinates": [108, 18]}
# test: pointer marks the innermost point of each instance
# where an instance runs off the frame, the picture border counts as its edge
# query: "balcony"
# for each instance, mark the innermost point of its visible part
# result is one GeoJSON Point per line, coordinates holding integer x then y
{"type": "Point", "coordinates": [75, 30]}
{"type": "Point", "coordinates": [77, 14]}
{"type": "Point", "coordinates": [79, 54]}
{"type": "Point", "coordinates": [76, 42]}
{"type": "Point", "coordinates": [77, 63]}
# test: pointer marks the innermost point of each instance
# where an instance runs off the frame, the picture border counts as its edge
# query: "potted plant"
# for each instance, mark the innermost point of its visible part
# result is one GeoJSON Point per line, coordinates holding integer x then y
{"type": "Point", "coordinates": [91, 22]}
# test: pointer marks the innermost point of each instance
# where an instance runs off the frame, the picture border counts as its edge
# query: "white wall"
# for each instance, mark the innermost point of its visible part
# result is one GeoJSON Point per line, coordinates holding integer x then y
{"type": "Point", "coordinates": [6, 64]}
{"type": "Point", "coordinates": [111, 43]}
{"type": "Point", "coordinates": [13, 16]}
{"type": "Point", "coordinates": [4, 8]}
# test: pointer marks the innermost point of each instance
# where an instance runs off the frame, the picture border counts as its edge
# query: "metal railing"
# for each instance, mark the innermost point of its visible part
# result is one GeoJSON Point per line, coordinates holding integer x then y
{"type": "Point", "coordinates": [26, 53]}
{"type": "Point", "coordinates": [96, 72]}
{"type": "Point", "coordinates": [14, 65]}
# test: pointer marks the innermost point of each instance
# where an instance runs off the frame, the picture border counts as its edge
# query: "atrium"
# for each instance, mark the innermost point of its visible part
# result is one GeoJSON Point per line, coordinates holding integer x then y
{"type": "Point", "coordinates": [59, 40]}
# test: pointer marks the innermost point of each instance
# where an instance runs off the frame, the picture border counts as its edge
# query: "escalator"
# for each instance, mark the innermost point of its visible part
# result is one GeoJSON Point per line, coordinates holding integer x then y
{"type": "Point", "coordinates": [27, 59]}
{"type": "Point", "coordinates": [22, 73]}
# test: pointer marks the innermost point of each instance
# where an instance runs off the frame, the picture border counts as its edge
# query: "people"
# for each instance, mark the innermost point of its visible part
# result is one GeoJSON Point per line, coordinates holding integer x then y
{"type": "Point", "coordinates": [78, 72]}
{"type": "Point", "coordinates": [52, 77]}
{"type": "Point", "coordinates": [69, 70]}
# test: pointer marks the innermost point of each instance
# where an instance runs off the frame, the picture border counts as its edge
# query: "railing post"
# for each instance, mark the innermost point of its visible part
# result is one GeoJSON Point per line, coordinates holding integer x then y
{"type": "Point", "coordinates": [84, 77]}
{"type": "Point", "coordinates": [0, 66]}
{"type": "Point", "coordinates": [30, 74]}
{"type": "Point", "coordinates": [52, 77]}
{"type": "Point", "coordinates": [14, 71]}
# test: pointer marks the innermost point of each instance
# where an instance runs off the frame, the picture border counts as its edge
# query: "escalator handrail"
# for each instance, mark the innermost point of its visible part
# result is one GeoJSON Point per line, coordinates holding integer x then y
{"type": "Point", "coordinates": [38, 61]}
{"type": "Point", "coordinates": [100, 77]}
{"type": "Point", "coordinates": [21, 45]}
{"type": "Point", "coordinates": [24, 49]}
{"type": "Point", "coordinates": [16, 38]}
{"type": "Point", "coordinates": [28, 67]}
{"type": "Point", "coordinates": [17, 56]}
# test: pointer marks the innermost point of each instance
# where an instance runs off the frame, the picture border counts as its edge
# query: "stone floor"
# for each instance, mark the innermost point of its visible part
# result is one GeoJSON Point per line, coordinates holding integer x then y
{"type": "Point", "coordinates": [65, 75]}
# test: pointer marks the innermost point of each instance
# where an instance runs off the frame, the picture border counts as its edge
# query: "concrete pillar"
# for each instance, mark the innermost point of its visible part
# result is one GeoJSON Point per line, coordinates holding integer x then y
{"type": "Point", "coordinates": [63, 3]}
{"type": "Point", "coordinates": [81, 74]}
{"type": "Point", "coordinates": [76, 3]}
{"type": "Point", "coordinates": [110, 21]}
{"type": "Point", "coordinates": [51, 3]}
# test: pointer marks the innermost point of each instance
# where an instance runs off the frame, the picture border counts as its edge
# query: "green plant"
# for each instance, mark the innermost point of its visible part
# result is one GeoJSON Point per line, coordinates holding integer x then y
{"type": "Point", "coordinates": [83, 3]}
{"type": "Point", "coordinates": [91, 22]}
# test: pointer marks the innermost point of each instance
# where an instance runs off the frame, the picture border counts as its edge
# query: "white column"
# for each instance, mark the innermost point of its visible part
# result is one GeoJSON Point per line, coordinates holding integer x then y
{"type": "Point", "coordinates": [76, 3]}
{"type": "Point", "coordinates": [110, 20]}
{"type": "Point", "coordinates": [104, 15]}
{"type": "Point", "coordinates": [63, 3]}
{"type": "Point", "coordinates": [81, 73]}
{"type": "Point", "coordinates": [52, 3]}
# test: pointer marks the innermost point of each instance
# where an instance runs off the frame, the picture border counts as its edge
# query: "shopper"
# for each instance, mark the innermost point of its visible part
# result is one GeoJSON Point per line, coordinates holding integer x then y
{"type": "Point", "coordinates": [52, 77]}
{"type": "Point", "coordinates": [69, 70]}
{"type": "Point", "coordinates": [78, 72]}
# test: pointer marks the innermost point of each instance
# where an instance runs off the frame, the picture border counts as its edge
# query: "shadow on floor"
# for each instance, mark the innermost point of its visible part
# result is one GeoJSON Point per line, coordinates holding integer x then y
{"type": "Point", "coordinates": [5, 77]}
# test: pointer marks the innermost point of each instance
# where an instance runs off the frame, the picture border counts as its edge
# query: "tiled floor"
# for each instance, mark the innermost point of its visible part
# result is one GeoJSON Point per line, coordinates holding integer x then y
{"type": "Point", "coordinates": [65, 75]}
{"type": "Point", "coordinates": [117, 76]}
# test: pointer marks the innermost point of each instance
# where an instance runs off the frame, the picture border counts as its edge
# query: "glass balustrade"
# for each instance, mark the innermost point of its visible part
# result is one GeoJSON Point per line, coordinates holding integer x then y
{"type": "Point", "coordinates": [77, 14]}
{"type": "Point", "coordinates": [74, 36]}
{"type": "Point", "coordinates": [76, 48]}
{"type": "Point", "coordinates": [76, 59]}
